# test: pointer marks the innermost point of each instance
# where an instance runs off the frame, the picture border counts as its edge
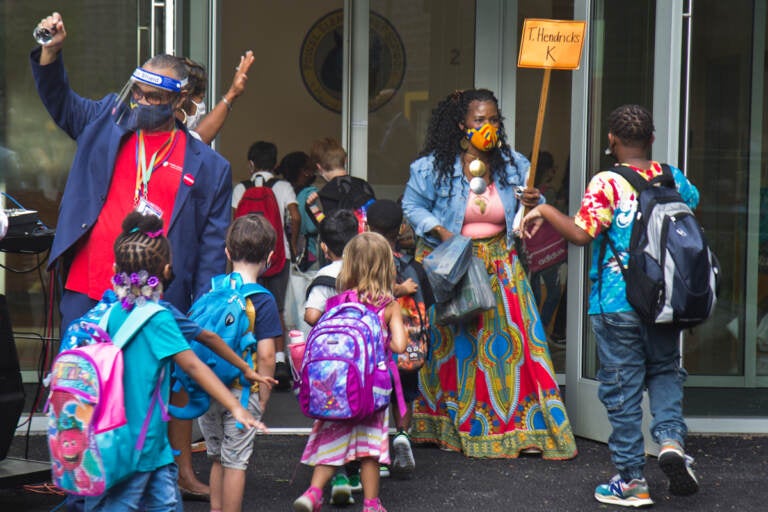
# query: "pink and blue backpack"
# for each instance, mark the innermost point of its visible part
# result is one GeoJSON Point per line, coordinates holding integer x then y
{"type": "Point", "coordinates": [346, 374]}
{"type": "Point", "coordinates": [88, 435]}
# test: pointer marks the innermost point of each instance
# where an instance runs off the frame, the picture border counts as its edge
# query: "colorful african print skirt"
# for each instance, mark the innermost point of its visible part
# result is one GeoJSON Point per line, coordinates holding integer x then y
{"type": "Point", "coordinates": [488, 388]}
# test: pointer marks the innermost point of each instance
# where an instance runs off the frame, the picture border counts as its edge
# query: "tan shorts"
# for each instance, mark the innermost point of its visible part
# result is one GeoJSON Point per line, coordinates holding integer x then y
{"type": "Point", "coordinates": [225, 442]}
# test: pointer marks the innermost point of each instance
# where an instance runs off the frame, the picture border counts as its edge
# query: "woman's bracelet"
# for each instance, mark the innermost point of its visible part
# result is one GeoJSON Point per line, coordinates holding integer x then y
{"type": "Point", "coordinates": [227, 103]}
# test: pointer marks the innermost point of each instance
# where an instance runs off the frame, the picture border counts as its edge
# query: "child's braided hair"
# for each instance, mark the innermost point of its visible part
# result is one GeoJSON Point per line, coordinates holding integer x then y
{"type": "Point", "coordinates": [142, 245]}
{"type": "Point", "coordinates": [633, 124]}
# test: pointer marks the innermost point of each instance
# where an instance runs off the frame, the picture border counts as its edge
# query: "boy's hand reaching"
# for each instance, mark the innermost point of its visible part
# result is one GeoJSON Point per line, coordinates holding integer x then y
{"type": "Point", "coordinates": [253, 377]}
{"type": "Point", "coordinates": [245, 419]}
{"type": "Point", "coordinates": [407, 287]}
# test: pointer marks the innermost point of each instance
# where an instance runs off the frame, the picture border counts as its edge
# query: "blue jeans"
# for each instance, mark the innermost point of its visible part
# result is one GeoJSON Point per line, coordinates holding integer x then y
{"type": "Point", "coordinates": [549, 277]}
{"type": "Point", "coordinates": [153, 491]}
{"type": "Point", "coordinates": [635, 356]}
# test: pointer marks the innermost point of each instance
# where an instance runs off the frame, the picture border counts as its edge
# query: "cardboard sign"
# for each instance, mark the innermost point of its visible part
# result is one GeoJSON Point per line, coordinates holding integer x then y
{"type": "Point", "coordinates": [552, 44]}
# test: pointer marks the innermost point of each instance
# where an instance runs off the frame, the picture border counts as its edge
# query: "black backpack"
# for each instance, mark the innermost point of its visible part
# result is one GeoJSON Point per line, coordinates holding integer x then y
{"type": "Point", "coordinates": [672, 276]}
{"type": "Point", "coordinates": [345, 193]}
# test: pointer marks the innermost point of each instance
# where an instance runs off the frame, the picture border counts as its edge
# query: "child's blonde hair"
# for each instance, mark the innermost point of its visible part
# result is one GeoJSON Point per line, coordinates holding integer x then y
{"type": "Point", "coordinates": [368, 267]}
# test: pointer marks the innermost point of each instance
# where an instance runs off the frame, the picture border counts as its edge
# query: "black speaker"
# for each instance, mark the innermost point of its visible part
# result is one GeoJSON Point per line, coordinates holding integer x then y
{"type": "Point", "coordinates": [11, 388]}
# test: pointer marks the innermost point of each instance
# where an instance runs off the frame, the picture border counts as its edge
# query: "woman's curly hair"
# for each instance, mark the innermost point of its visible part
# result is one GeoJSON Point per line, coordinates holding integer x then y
{"type": "Point", "coordinates": [444, 134]}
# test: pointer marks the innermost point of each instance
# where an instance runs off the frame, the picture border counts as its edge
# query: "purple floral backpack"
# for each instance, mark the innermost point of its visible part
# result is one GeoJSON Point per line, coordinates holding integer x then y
{"type": "Point", "coordinates": [346, 371]}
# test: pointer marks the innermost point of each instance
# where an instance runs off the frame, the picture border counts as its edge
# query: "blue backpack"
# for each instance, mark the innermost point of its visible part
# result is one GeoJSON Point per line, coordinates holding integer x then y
{"type": "Point", "coordinates": [227, 311]}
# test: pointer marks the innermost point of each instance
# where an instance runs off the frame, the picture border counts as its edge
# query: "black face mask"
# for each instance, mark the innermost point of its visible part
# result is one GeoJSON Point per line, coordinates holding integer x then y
{"type": "Point", "coordinates": [147, 117]}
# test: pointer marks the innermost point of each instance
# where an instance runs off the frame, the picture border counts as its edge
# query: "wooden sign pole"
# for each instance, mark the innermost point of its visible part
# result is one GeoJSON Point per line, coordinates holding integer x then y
{"type": "Point", "coordinates": [539, 127]}
{"type": "Point", "coordinates": [548, 44]}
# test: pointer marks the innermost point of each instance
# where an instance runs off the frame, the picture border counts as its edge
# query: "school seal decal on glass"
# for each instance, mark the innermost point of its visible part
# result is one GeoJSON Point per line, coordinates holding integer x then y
{"type": "Point", "coordinates": [321, 60]}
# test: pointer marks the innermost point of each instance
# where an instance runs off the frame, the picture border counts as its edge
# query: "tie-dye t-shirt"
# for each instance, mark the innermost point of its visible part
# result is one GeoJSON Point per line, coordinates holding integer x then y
{"type": "Point", "coordinates": [608, 209]}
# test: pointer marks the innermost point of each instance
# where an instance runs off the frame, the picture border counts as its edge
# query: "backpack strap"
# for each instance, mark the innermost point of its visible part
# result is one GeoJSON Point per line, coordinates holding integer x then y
{"type": "Point", "coordinates": [402, 409]}
{"type": "Point", "coordinates": [264, 183]}
{"type": "Point", "coordinates": [157, 399]}
{"type": "Point", "coordinates": [638, 182]}
{"type": "Point", "coordinates": [135, 321]}
{"type": "Point", "coordinates": [328, 281]}
{"type": "Point", "coordinates": [248, 289]}
{"type": "Point", "coordinates": [666, 177]}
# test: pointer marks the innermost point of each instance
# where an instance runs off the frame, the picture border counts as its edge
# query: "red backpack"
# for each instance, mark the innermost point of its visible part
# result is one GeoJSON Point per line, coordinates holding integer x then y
{"type": "Point", "coordinates": [261, 199]}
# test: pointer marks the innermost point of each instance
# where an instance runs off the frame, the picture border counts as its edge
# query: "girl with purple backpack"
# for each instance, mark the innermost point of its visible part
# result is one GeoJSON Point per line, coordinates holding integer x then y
{"type": "Point", "coordinates": [368, 274]}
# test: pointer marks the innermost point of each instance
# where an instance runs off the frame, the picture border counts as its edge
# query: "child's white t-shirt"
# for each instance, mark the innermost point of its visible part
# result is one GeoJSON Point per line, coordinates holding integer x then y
{"type": "Point", "coordinates": [320, 293]}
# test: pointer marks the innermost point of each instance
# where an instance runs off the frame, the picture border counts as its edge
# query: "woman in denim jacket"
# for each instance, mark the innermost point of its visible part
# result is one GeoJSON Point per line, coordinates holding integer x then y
{"type": "Point", "coordinates": [488, 388]}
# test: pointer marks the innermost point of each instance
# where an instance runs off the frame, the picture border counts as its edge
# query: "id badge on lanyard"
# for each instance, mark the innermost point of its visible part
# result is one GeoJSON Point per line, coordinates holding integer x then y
{"type": "Point", "coordinates": [145, 207]}
{"type": "Point", "coordinates": [144, 172]}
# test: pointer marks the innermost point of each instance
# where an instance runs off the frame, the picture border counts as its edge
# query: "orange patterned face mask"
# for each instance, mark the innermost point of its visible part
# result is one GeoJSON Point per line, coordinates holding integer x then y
{"type": "Point", "coordinates": [484, 138]}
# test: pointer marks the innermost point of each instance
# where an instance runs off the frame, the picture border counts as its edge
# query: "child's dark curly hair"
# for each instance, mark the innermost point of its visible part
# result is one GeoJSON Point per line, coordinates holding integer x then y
{"type": "Point", "coordinates": [633, 124]}
{"type": "Point", "coordinates": [142, 245]}
{"type": "Point", "coordinates": [444, 134]}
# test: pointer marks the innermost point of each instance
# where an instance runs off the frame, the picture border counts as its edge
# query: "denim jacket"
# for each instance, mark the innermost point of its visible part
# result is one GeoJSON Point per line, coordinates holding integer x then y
{"type": "Point", "coordinates": [430, 202]}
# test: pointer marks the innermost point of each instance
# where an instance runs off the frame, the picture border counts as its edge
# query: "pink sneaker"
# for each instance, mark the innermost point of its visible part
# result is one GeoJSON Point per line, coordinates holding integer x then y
{"type": "Point", "coordinates": [373, 505]}
{"type": "Point", "coordinates": [310, 501]}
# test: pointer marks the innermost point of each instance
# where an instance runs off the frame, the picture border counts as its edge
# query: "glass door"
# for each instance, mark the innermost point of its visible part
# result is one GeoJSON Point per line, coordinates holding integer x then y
{"type": "Point", "coordinates": [725, 152]}
{"type": "Point", "coordinates": [714, 129]}
{"type": "Point", "coordinates": [608, 78]}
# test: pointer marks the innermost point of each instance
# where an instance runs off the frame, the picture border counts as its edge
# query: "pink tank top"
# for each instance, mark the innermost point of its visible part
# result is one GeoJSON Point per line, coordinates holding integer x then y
{"type": "Point", "coordinates": [484, 216]}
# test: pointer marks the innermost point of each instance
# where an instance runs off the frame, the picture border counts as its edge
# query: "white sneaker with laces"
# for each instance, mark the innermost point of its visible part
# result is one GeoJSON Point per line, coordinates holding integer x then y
{"type": "Point", "coordinates": [403, 462]}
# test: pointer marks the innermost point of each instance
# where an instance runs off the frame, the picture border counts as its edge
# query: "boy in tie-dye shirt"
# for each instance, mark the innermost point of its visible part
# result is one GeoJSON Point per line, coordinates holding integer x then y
{"type": "Point", "coordinates": [633, 355]}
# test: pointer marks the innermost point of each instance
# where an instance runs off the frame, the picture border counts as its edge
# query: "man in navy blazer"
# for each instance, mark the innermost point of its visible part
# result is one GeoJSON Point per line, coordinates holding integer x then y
{"type": "Point", "coordinates": [199, 212]}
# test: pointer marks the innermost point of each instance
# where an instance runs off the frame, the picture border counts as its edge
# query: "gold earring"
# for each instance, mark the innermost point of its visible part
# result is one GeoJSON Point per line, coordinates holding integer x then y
{"type": "Point", "coordinates": [464, 144]}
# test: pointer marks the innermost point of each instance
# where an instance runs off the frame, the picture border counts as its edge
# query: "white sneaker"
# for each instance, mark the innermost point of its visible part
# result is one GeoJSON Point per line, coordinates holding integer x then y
{"type": "Point", "coordinates": [403, 463]}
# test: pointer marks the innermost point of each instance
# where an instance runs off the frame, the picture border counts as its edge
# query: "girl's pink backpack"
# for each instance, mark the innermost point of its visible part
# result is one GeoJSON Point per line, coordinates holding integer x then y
{"type": "Point", "coordinates": [88, 435]}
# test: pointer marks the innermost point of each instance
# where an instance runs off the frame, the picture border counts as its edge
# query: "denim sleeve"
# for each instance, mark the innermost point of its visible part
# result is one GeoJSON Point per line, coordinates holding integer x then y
{"type": "Point", "coordinates": [189, 329]}
{"type": "Point", "coordinates": [419, 197]}
{"type": "Point", "coordinates": [688, 190]}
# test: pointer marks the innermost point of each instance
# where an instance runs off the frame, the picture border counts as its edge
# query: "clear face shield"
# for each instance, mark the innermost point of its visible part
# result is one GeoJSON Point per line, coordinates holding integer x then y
{"type": "Point", "coordinates": [147, 101]}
